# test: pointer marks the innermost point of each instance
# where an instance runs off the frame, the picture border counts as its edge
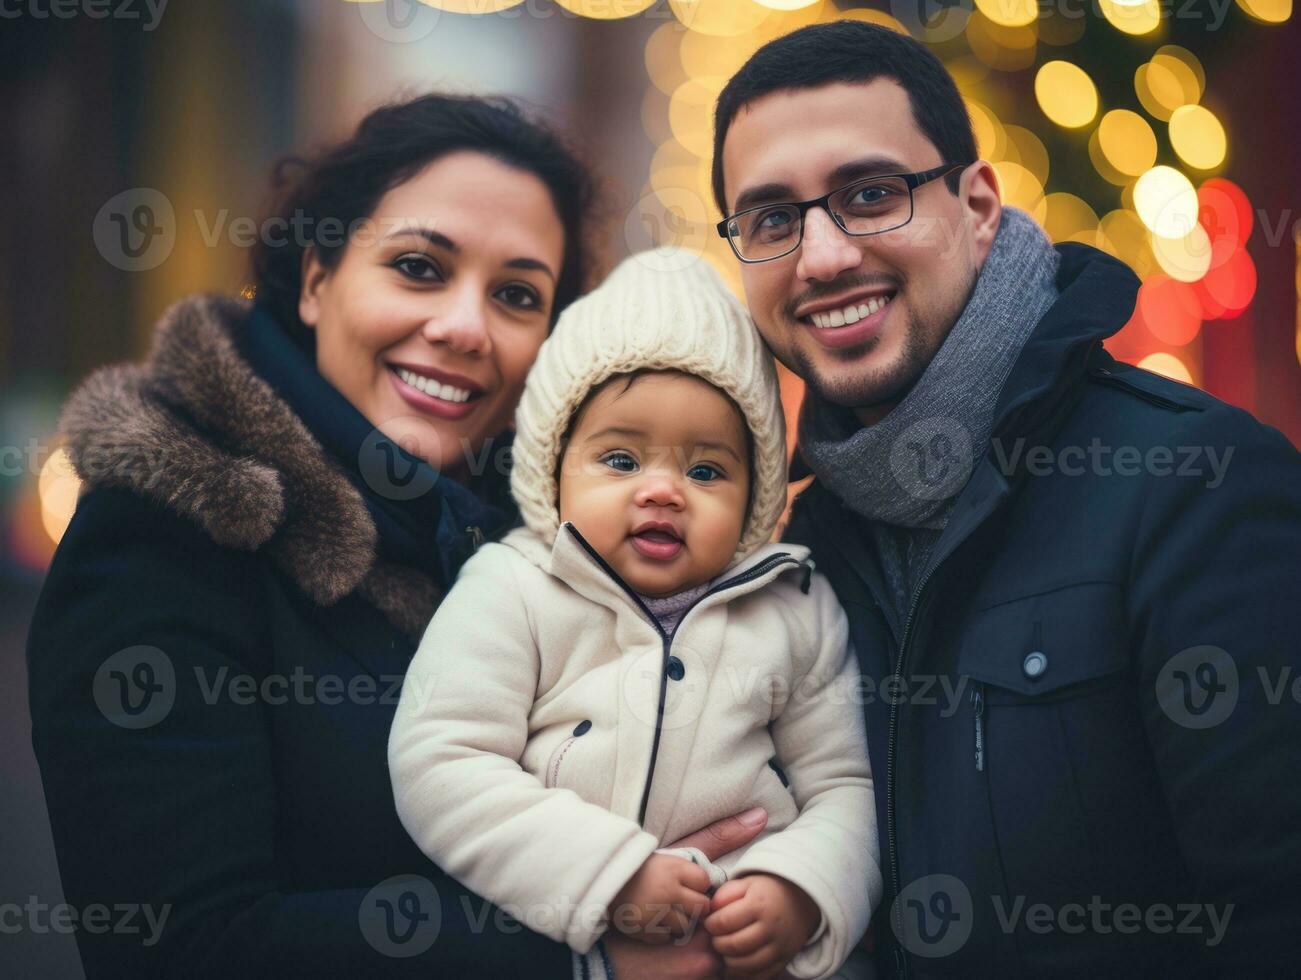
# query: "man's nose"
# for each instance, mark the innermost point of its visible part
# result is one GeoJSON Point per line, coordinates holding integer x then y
{"type": "Point", "coordinates": [826, 251]}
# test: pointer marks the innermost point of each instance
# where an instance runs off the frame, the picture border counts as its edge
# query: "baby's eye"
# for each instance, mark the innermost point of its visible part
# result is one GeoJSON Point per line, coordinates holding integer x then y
{"type": "Point", "coordinates": [622, 462]}
{"type": "Point", "coordinates": [704, 472]}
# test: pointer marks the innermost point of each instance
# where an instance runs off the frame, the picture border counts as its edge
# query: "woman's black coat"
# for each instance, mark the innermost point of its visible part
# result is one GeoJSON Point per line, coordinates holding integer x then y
{"type": "Point", "coordinates": [215, 662]}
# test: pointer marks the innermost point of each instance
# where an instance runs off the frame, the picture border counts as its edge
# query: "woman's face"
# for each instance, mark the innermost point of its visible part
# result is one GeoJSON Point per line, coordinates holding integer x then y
{"type": "Point", "coordinates": [434, 313]}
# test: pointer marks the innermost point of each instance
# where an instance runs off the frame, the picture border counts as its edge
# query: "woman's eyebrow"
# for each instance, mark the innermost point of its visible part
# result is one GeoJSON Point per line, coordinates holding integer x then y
{"type": "Point", "coordinates": [442, 241]}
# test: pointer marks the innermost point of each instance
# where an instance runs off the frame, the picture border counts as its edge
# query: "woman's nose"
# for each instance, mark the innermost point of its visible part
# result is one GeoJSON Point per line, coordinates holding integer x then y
{"type": "Point", "coordinates": [658, 488]}
{"type": "Point", "coordinates": [460, 320]}
{"type": "Point", "coordinates": [825, 251]}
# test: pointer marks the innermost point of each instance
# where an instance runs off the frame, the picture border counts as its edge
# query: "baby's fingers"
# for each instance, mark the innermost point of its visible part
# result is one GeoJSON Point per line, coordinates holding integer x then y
{"type": "Point", "coordinates": [763, 962]}
{"type": "Point", "coordinates": [743, 942]}
{"type": "Point", "coordinates": [730, 918]}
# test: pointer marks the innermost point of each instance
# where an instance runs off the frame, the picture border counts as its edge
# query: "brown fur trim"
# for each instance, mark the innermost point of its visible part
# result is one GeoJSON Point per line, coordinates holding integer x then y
{"type": "Point", "coordinates": [197, 430]}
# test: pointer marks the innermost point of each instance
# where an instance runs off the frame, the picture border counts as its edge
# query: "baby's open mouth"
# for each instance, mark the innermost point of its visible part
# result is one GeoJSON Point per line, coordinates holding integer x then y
{"type": "Point", "coordinates": [658, 541]}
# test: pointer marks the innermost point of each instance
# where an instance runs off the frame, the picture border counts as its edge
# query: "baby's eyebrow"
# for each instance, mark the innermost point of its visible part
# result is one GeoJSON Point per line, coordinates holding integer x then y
{"type": "Point", "coordinates": [720, 447]}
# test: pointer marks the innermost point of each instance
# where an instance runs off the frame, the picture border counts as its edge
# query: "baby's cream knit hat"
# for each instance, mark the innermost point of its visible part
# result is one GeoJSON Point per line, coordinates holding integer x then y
{"type": "Point", "coordinates": [662, 309]}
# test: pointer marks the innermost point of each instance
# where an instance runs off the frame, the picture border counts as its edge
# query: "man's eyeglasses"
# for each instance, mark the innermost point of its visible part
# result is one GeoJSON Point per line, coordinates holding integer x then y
{"type": "Point", "coordinates": [868, 206]}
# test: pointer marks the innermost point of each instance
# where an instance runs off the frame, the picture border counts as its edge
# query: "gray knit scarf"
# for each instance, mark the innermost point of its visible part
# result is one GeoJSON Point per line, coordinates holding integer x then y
{"type": "Point", "coordinates": [907, 468]}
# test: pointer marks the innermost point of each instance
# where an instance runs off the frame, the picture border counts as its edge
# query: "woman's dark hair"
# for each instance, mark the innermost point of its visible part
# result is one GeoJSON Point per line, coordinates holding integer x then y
{"type": "Point", "coordinates": [333, 191]}
{"type": "Point", "coordinates": [851, 51]}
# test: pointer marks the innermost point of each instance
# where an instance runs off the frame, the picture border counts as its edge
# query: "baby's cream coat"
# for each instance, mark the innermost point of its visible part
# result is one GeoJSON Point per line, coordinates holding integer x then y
{"type": "Point", "coordinates": [543, 748]}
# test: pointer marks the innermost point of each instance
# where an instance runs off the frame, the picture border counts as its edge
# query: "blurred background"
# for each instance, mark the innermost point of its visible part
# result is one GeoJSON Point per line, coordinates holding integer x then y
{"type": "Point", "coordinates": [138, 136]}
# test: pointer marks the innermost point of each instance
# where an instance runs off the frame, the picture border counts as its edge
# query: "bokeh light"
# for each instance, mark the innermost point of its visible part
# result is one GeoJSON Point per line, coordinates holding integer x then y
{"type": "Point", "coordinates": [1168, 365]}
{"type": "Point", "coordinates": [1197, 136]}
{"type": "Point", "coordinates": [1166, 201]}
{"type": "Point", "coordinates": [1066, 94]}
{"type": "Point", "coordinates": [1127, 142]}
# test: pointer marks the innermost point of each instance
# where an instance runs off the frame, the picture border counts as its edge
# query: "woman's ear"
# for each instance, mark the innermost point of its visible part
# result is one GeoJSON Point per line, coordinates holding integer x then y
{"type": "Point", "coordinates": [309, 298]}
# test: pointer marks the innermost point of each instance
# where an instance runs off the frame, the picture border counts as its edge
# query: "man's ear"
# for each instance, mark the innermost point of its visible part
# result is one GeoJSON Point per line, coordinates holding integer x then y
{"type": "Point", "coordinates": [309, 297]}
{"type": "Point", "coordinates": [978, 191]}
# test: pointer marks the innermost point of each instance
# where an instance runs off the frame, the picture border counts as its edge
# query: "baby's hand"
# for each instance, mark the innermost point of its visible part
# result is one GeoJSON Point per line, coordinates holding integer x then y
{"type": "Point", "coordinates": [759, 922]}
{"type": "Point", "coordinates": [663, 900]}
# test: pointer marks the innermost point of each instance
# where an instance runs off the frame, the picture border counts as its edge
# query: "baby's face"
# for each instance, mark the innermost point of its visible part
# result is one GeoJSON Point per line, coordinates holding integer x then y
{"type": "Point", "coordinates": [656, 478]}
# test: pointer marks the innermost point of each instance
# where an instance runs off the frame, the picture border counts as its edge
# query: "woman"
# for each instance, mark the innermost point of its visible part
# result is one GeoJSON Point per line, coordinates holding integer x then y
{"type": "Point", "coordinates": [272, 506]}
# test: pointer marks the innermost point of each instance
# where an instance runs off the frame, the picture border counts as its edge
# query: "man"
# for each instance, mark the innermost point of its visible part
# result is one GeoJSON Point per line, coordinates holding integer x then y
{"type": "Point", "coordinates": [1070, 582]}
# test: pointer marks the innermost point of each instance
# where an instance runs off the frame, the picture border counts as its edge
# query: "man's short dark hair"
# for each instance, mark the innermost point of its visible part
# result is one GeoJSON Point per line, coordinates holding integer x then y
{"type": "Point", "coordinates": [852, 51]}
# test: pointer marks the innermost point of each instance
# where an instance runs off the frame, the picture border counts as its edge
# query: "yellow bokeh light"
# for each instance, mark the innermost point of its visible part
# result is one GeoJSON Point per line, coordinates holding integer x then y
{"type": "Point", "coordinates": [720, 19]}
{"type": "Point", "coordinates": [1186, 259]}
{"type": "Point", "coordinates": [1165, 83]}
{"type": "Point", "coordinates": [990, 138]}
{"type": "Point", "coordinates": [1267, 11]}
{"type": "Point", "coordinates": [1190, 61]}
{"type": "Point", "coordinates": [605, 9]}
{"type": "Point", "coordinates": [872, 17]}
{"type": "Point", "coordinates": [1132, 18]}
{"type": "Point", "coordinates": [655, 116]}
{"type": "Point", "coordinates": [663, 65]}
{"type": "Point", "coordinates": [1020, 188]}
{"type": "Point", "coordinates": [1198, 137]}
{"type": "Point", "coordinates": [1127, 141]}
{"type": "Point", "coordinates": [702, 54]}
{"type": "Point", "coordinates": [1166, 201]}
{"type": "Point", "coordinates": [57, 486]}
{"type": "Point", "coordinates": [691, 113]}
{"type": "Point", "coordinates": [1068, 217]}
{"type": "Point", "coordinates": [1126, 233]}
{"type": "Point", "coordinates": [1102, 165]}
{"type": "Point", "coordinates": [1000, 46]}
{"type": "Point", "coordinates": [1010, 13]}
{"type": "Point", "coordinates": [1168, 365]}
{"type": "Point", "coordinates": [786, 4]}
{"type": "Point", "coordinates": [1066, 94]}
{"type": "Point", "coordinates": [1025, 148]}
{"type": "Point", "coordinates": [471, 6]}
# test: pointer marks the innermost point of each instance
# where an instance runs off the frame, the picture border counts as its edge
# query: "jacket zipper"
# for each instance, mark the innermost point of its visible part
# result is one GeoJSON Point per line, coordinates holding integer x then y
{"type": "Point", "coordinates": [900, 956]}
{"type": "Point", "coordinates": [978, 712]}
{"type": "Point", "coordinates": [782, 558]}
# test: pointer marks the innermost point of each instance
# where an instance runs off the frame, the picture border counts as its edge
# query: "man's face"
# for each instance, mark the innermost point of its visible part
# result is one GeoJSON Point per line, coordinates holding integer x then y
{"type": "Point", "coordinates": [791, 146]}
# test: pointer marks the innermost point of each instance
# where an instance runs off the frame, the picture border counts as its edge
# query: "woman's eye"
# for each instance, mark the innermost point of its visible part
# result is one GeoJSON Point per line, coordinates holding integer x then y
{"type": "Point", "coordinates": [418, 267]}
{"type": "Point", "coordinates": [521, 297]}
{"type": "Point", "coordinates": [622, 462]}
{"type": "Point", "coordinates": [704, 472]}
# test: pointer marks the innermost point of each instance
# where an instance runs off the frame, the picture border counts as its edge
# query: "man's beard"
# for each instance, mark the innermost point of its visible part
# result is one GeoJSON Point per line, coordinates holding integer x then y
{"type": "Point", "coordinates": [885, 386]}
{"type": "Point", "coordinates": [871, 387]}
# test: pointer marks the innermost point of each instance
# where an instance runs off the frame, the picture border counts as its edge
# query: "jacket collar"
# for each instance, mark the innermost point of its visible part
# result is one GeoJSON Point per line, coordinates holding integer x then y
{"type": "Point", "coordinates": [197, 430]}
{"type": "Point", "coordinates": [571, 559]}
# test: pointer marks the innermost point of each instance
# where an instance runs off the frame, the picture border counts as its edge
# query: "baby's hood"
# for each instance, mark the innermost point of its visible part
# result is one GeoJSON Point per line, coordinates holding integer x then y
{"type": "Point", "coordinates": [666, 309]}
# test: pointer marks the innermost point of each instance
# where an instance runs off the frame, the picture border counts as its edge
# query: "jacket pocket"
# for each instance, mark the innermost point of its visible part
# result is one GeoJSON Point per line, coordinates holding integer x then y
{"type": "Point", "coordinates": [1057, 743]}
{"type": "Point", "coordinates": [556, 763]}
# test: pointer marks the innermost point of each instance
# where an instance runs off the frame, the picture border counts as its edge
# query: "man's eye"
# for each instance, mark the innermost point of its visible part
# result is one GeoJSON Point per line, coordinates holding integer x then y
{"type": "Point", "coordinates": [704, 472]}
{"type": "Point", "coordinates": [622, 462]}
{"type": "Point", "coordinates": [417, 267]}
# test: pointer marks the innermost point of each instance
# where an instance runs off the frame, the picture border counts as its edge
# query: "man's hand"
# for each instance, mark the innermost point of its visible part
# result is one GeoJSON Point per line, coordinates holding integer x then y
{"type": "Point", "coordinates": [759, 922]}
{"type": "Point", "coordinates": [663, 900]}
{"type": "Point", "coordinates": [726, 835]}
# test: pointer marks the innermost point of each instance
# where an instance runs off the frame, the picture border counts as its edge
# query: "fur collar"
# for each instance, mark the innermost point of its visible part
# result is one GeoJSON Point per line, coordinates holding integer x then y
{"type": "Point", "coordinates": [197, 430]}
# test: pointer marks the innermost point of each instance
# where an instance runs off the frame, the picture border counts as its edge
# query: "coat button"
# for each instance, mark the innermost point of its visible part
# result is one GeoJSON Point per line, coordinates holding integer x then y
{"type": "Point", "coordinates": [582, 728]}
{"type": "Point", "coordinates": [676, 670]}
{"type": "Point", "coordinates": [1034, 665]}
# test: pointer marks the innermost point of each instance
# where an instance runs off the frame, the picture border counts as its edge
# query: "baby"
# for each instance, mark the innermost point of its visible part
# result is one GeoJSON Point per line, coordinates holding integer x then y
{"type": "Point", "coordinates": [638, 661]}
